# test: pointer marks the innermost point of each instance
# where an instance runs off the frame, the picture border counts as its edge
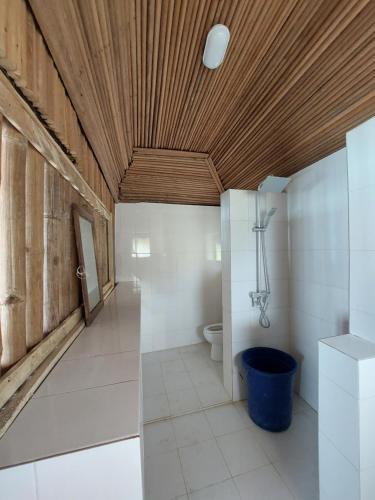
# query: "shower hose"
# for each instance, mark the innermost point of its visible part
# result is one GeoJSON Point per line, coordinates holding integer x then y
{"type": "Point", "coordinates": [263, 301]}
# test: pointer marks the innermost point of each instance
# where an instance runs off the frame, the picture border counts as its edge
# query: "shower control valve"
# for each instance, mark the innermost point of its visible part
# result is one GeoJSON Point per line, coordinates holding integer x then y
{"type": "Point", "coordinates": [259, 229]}
{"type": "Point", "coordinates": [257, 298]}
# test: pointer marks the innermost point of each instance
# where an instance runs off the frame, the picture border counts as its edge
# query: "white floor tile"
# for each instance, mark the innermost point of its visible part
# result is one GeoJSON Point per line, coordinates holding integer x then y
{"type": "Point", "coordinates": [163, 477]}
{"type": "Point", "coordinates": [242, 452]}
{"type": "Point", "coordinates": [203, 465]}
{"type": "Point", "coordinates": [301, 476]}
{"type": "Point", "coordinates": [168, 355]}
{"type": "Point", "coordinates": [300, 439]}
{"type": "Point", "coordinates": [155, 407]}
{"type": "Point", "coordinates": [191, 429]}
{"type": "Point", "coordinates": [262, 484]}
{"type": "Point", "coordinates": [170, 372]}
{"type": "Point", "coordinates": [225, 419]}
{"type": "Point", "coordinates": [177, 382]}
{"type": "Point", "coordinates": [153, 385]}
{"type": "Point", "coordinates": [173, 367]}
{"type": "Point", "coordinates": [151, 370]}
{"type": "Point", "coordinates": [212, 394]}
{"type": "Point", "coordinates": [149, 358]}
{"type": "Point", "coordinates": [205, 375]}
{"type": "Point", "coordinates": [183, 401]}
{"type": "Point", "coordinates": [300, 405]}
{"type": "Point", "coordinates": [241, 407]}
{"type": "Point", "coordinates": [196, 362]}
{"type": "Point", "coordinates": [221, 491]}
{"type": "Point", "coordinates": [159, 438]}
{"type": "Point", "coordinates": [202, 348]}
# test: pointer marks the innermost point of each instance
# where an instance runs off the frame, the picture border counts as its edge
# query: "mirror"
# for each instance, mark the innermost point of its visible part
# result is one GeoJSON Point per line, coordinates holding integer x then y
{"type": "Point", "coordinates": [87, 271]}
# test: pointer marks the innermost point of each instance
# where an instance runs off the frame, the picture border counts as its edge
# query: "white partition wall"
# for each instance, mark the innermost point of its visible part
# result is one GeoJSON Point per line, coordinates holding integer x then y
{"type": "Point", "coordinates": [361, 175]}
{"type": "Point", "coordinates": [346, 418]}
{"type": "Point", "coordinates": [240, 319]}
{"type": "Point", "coordinates": [347, 363]}
{"type": "Point", "coordinates": [319, 263]}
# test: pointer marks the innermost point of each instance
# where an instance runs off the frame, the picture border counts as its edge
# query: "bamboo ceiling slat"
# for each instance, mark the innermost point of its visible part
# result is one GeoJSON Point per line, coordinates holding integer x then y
{"type": "Point", "coordinates": [297, 75]}
{"type": "Point", "coordinates": [174, 176]}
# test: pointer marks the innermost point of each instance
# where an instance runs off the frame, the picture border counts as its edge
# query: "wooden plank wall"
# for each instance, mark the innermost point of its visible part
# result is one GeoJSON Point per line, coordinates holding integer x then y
{"type": "Point", "coordinates": [96, 71]}
{"type": "Point", "coordinates": [26, 59]}
{"type": "Point", "coordinates": [38, 259]}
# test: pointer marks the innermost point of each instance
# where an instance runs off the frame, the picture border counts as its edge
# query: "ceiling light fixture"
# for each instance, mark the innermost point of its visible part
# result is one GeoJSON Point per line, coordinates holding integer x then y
{"type": "Point", "coordinates": [216, 45]}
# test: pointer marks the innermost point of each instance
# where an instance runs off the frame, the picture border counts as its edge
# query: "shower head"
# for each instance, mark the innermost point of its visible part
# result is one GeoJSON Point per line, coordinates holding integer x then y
{"type": "Point", "coordinates": [274, 184]}
{"type": "Point", "coordinates": [268, 216]}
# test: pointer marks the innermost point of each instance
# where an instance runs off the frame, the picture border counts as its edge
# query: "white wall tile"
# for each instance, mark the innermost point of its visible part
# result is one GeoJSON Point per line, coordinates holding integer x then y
{"type": "Point", "coordinates": [243, 265]}
{"type": "Point", "coordinates": [339, 419]}
{"type": "Point", "coordinates": [366, 425]}
{"type": "Point", "coordinates": [95, 473]}
{"type": "Point", "coordinates": [319, 262]}
{"type": "Point", "coordinates": [366, 378]}
{"type": "Point", "coordinates": [241, 235]}
{"type": "Point", "coordinates": [361, 161]}
{"type": "Point", "coordinates": [174, 251]}
{"type": "Point", "coordinates": [338, 478]}
{"type": "Point", "coordinates": [342, 370]}
{"type": "Point", "coordinates": [240, 279]}
{"type": "Point", "coordinates": [18, 483]}
{"type": "Point", "coordinates": [361, 155]}
{"type": "Point", "coordinates": [362, 323]}
{"type": "Point", "coordinates": [368, 484]}
{"type": "Point", "coordinates": [239, 204]}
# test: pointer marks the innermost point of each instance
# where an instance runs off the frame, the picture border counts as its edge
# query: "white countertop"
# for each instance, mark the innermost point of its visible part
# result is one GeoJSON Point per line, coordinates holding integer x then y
{"type": "Point", "coordinates": [92, 396]}
{"type": "Point", "coordinates": [351, 345]}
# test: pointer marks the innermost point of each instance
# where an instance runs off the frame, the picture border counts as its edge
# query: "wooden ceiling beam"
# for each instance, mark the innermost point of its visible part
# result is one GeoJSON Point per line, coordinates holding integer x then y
{"type": "Point", "coordinates": [215, 175]}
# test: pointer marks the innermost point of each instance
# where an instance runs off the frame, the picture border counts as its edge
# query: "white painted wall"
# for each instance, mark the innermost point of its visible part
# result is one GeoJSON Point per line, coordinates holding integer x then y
{"type": "Point", "coordinates": [319, 263]}
{"type": "Point", "coordinates": [174, 251]}
{"type": "Point", "coordinates": [241, 321]}
{"type": "Point", "coordinates": [361, 173]}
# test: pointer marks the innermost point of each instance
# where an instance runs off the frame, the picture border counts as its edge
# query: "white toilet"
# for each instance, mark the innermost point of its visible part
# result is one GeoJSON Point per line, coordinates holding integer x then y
{"type": "Point", "coordinates": [214, 335]}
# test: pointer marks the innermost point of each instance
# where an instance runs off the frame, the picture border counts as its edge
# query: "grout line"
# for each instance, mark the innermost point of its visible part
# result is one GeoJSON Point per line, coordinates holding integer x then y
{"type": "Point", "coordinates": [56, 394]}
{"type": "Point", "coordinates": [283, 481]}
{"type": "Point", "coordinates": [182, 471]}
{"type": "Point", "coordinates": [190, 412]}
{"type": "Point", "coordinates": [36, 479]}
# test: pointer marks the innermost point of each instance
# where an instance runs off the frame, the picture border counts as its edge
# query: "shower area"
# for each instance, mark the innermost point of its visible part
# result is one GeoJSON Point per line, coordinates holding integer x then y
{"type": "Point", "coordinates": [255, 275]}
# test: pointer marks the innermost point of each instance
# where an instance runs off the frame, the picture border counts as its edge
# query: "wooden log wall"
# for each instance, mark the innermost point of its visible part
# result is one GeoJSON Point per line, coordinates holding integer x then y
{"type": "Point", "coordinates": [34, 193]}
{"type": "Point", "coordinates": [38, 258]}
{"type": "Point", "coordinates": [26, 59]}
{"type": "Point", "coordinates": [12, 248]}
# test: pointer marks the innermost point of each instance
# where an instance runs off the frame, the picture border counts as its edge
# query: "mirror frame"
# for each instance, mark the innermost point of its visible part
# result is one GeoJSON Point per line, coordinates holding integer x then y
{"type": "Point", "coordinates": [84, 212]}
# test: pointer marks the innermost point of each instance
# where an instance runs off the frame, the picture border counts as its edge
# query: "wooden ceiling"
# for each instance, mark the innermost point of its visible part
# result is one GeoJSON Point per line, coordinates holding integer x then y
{"type": "Point", "coordinates": [162, 175]}
{"type": "Point", "coordinates": [297, 75]}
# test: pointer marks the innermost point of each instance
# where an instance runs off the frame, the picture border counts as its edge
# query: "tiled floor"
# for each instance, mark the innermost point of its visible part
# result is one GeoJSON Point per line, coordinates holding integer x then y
{"type": "Point", "coordinates": [219, 454]}
{"type": "Point", "coordinates": [180, 381]}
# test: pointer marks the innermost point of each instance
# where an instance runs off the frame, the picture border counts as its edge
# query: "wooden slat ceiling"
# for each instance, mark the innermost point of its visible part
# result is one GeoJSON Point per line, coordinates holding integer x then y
{"type": "Point", "coordinates": [298, 74]}
{"type": "Point", "coordinates": [167, 176]}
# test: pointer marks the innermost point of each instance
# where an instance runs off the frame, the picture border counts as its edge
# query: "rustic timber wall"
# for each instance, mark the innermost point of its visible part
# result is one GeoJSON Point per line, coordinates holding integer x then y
{"type": "Point", "coordinates": [38, 259]}
{"type": "Point", "coordinates": [25, 58]}
{"type": "Point", "coordinates": [46, 165]}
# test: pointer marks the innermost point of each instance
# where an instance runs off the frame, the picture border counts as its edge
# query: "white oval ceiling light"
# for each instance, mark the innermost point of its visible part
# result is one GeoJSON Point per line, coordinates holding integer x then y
{"type": "Point", "coordinates": [216, 45]}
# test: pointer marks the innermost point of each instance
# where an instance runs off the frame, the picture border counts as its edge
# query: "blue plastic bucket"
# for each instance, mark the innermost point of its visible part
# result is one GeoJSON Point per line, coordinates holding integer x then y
{"type": "Point", "coordinates": [269, 375]}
